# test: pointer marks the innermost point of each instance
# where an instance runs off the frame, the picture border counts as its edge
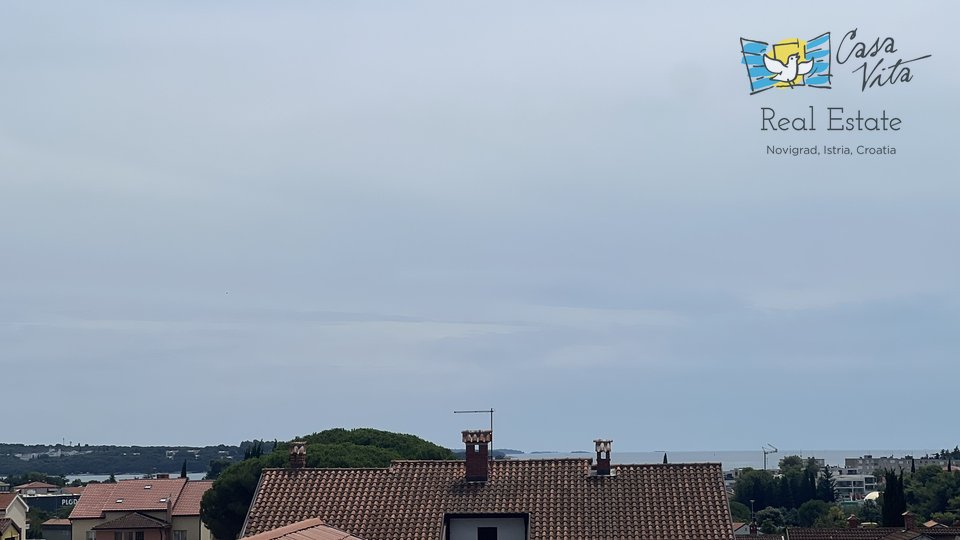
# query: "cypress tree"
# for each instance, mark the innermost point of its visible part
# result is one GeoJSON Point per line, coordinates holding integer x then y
{"type": "Point", "coordinates": [183, 470]}
{"type": "Point", "coordinates": [894, 500]}
{"type": "Point", "coordinates": [664, 458]}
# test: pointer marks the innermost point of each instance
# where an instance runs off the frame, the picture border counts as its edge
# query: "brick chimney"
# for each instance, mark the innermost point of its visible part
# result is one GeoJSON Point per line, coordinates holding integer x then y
{"type": "Point", "coordinates": [478, 454]}
{"type": "Point", "coordinates": [603, 447]}
{"type": "Point", "coordinates": [298, 454]}
{"type": "Point", "coordinates": [909, 521]}
{"type": "Point", "coordinates": [853, 522]}
{"type": "Point", "coordinates": [753, 528]}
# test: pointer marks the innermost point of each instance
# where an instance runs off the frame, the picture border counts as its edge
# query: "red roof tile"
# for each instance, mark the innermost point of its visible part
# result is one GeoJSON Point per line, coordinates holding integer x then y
{"type": "Point", "coordinates": [133, 520]}
{"type": "Point", "coordinates": [188, 503]}
{"type": "Point", "coordinates": [409, 499]}
{"type": "Point", "coordinates": [134, 495]}
{"type": "Point", "coordinates": [56, 522]}
{"type": "Point", "coordinates": [36, 485]}
{"type": "Point", "coordinates": [7, 498]}
{"type": "Point", "coordinates": [942, 532]}
{"type": "Point", "coordinates": [845, 533]}
{"type": "Point", "coordinates": [6, 523]}
{"type": "Point", "coordinates": [874, 533]}
{"type": "Point", "coordinates": [310, 529]}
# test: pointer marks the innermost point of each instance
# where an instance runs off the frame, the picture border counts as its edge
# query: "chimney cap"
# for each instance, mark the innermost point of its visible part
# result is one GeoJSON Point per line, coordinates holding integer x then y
{"type": "Point", "coordinates": [603, 445]}
{"type": "Point", "coordinates": [477, 436]}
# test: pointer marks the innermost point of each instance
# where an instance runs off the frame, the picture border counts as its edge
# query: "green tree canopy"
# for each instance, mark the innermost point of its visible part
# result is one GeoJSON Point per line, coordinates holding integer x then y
{"type": "Point", "coordinates": [811, 511]}
{"type": "Point", "coordinates": [869, 512]}
{"type": "Point", "coordinates": [740, 512]}
{"type": "Point", "coordinates": [893, 503]}
{"type": "Point", "coordinates": [224, 506]}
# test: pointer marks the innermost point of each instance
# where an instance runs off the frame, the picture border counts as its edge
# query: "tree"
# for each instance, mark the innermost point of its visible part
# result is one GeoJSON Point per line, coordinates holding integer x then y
{"type": "Point", "coordinates": [810, 511]}
{"type": "Point", "coordinates": [894, 502]}
{"type": "Point", "coordinates": [832, 518]}
{"type": "Point", "coordinates": [869, 512]}
{"type": "Point", "coordinates": [216, 467]}
{"type": "Point", "coordinates": [791, 464]}
{"type": "Point", "coordinates": [770, 520]}
{"type": "Point", "coordinates": [755, 485]}
{"type": "Point", "coordinates": [740, 512]}
{"type": "Point", "coordinates": [931, 491]}
{"type": "Point", "coordinates": [826, 487]}
{"type": "Point", "coordinates": [225, 505]}
{"type": "Point", "coordinates": [183, 470]}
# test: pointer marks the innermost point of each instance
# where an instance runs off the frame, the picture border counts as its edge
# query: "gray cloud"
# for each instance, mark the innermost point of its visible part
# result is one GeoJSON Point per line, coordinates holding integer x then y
{"type": "Point", "coordinates": [277, 219]}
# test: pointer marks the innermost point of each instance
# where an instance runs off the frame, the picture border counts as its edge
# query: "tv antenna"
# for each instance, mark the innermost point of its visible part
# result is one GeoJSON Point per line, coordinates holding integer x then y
{"type": "Point", "coordinates": [488, 411]}
{"type": "Point", "coordinates": [771, 450]}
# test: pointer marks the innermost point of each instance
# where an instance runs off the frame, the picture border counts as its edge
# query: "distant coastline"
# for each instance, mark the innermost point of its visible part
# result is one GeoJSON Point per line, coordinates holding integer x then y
{"type": "Point", "coordinates": [731, 459]}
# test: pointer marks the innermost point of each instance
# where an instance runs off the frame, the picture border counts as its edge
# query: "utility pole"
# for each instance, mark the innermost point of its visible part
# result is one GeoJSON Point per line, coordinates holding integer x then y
{"type": "Point", "coordinates": [488, 411]}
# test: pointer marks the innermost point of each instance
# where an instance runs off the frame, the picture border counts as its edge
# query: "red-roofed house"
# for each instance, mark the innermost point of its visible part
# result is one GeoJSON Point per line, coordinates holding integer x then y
{"type": "Point", "coordinates": [523, 499]}
{"type": "Point", "coordinates": [309, 529]}
{"type": "Point", "coordinates": [13, 516]}
{"type": "Point", "coordinates": [36, 488]}
{"type": "Point", "coordinates": [159, 509]}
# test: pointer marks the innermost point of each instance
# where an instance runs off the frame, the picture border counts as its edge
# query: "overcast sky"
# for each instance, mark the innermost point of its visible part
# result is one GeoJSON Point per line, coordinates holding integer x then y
{"type": "Point", "coordinates": [228, 220]}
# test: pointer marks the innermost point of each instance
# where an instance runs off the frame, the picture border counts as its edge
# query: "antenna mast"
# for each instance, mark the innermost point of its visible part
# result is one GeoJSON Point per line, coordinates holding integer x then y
{"type": "Point", "coordinates": [488, 411]}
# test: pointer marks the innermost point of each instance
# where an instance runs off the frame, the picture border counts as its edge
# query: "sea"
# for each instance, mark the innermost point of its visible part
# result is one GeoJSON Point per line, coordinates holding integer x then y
{"type": "Point", "coordinates": [131, 476]}
{"type": "Point", "coordinates": [729, 459]}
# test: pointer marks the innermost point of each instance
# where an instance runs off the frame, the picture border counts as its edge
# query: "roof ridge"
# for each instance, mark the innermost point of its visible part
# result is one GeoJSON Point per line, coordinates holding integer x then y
{"type": "Point", "coordinates": [285, 530]}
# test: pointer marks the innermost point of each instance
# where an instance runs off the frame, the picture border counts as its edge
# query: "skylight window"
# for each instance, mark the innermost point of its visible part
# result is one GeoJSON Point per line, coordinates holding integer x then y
{"type": "Point", "coordinates": [119, 501]}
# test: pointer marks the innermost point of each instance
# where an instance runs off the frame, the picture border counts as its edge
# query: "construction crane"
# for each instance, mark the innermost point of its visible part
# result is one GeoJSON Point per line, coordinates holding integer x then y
{"type": "Point", "coordinates": [771, 450]}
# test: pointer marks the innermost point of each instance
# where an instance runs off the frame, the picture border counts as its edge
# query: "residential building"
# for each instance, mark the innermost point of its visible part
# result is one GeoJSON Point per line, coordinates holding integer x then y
{"type": "Point", "coordinates": [13, 516]}
{"type": "Point", "coordinates": [4, 487]}
{"type": "Point", "coordinates": [37, 488]}
{"type": "Point", "coordinates": [156, 509]}
{"type": "Point", "coordinates": [851, 484]}
{"type": "Point", "coordinates": [310, 529]}
{"type": "Point", "coordinates": [9, 530]}
{"type": "Point", "coordinates": [854, 531]}
{"type": "Point", "coordinates": [479, 498]}
{"type": "Point", "coordinates": [57, 529]}
{"type": "Point", "coordinates": [869, 464]}
{"type": "Point", "coordinates": [51, 502]}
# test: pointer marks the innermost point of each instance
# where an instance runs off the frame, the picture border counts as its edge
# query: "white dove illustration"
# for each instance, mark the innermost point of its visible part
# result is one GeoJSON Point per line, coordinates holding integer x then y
{"type": "Point", "coordinates": [789, 71]}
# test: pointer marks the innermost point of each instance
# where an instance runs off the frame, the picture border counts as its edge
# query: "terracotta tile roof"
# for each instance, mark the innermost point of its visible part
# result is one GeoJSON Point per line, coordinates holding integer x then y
{"type": "Point", "coordinates": [36, 485]}
{"type": "Point", "coordinates": [133, 520]}
{"type": "Point", "coordinates": [135, 496]}
{"type": "Point", "coordinates": [188, 503]}
{"type": "Point", "coordinates": [904, 535]}
{"type": "Point", "coordinates": [876, 533]}
{"type": "Point", "coordinates": [310, 529]}
{"type": "Point", "coordinates": [845, 533]}
{"type": "Point", "coordinates": [409, 499]}
{"type": "Point", "coordinates": [6, 523]}
{"type": "Point", "coordinates": [6, 499]}
{"type": "Point", "coordinates": [56, 522]}
{"type": "Point", "coordinates": [942, 532]}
